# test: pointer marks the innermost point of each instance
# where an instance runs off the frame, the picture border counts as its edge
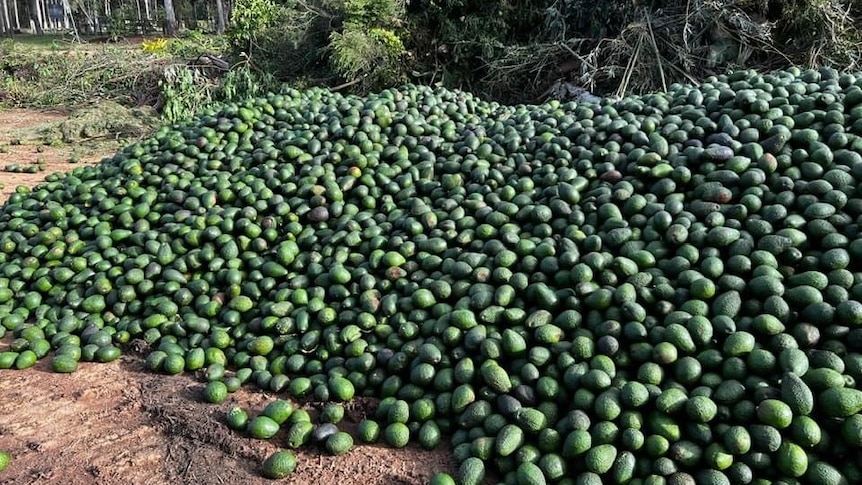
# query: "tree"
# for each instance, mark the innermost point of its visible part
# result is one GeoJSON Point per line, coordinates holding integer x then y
{"type": "Point", "coordinates": [67, 8]}
{"type": "Point", "coordinates": [220, 17]}
{"type": "Point", "coordinates": [36, 16]}
{"type": "Point", "coordinates": [170, 18]}
{"type": "Point", "coordinates": [147, 13]}
{"type": "Point", "coordinates": [5, 24]}
{"type": "Point", "coordinates": [17, 24]}
{"type": "Point", "coordinates": [90, 11]}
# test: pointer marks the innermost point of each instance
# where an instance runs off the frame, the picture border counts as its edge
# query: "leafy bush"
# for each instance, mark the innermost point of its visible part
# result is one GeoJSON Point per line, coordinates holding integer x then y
{"type": "Point", "coordinates": [367, 51]}
{"type": "Point", "coordinates": [193, 43]}
{"type": "Point", "coordinates": [357, 43]}
{"type": "Point", "coordinates": [250, 19]}
{"type": "Point", "coordinates": [184, 91]}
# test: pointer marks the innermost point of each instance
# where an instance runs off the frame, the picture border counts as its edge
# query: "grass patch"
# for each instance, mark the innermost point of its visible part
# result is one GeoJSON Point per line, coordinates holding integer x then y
{"type": "Point", "coordinates": [68, 41]}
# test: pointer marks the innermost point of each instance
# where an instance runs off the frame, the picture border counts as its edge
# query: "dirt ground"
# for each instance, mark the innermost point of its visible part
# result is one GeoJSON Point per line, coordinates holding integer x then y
{"type": "Point", "coordinates": [117, 423]}
{"type": "Point", "coordinates": [21, 144]}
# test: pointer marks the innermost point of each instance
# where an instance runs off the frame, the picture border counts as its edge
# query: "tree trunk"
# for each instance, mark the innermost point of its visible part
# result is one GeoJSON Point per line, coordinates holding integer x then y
{"type": "Point", "coordinates": [46, 15]}
{"type": "Point", "coordinates": [5, 24]}
{"type": "Point", "coordinates": [140, 26]}
{"type": "Point", "coordinates": [36, 16]}
{"type": "Point", "coordinates": [47, 23]}
{"type": "Point", "coordinates": [70, 20]}
{"type": "Point", "coordinates": [220, 17]}
{"type": "Point", "coordinates": [17, 18]}
{"type": "Point", "coordinates": [170, 18]}
{"type": "Point", "coordinates": [106, 17]}
{"type": "Point", "coordinates": [90, 18]}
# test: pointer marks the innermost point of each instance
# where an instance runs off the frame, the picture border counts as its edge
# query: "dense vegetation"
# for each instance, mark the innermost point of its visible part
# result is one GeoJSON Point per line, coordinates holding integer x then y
{"type": "Point", "coordinates": [518, 50]}
{"type": "Point", "coordinates": [508, 50]}
{"type": "Point", "coordinates": [662, 289]}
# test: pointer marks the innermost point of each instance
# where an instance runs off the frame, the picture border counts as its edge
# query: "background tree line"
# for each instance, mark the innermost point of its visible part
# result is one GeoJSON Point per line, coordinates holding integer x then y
{"type": "Point", "coordinates": [510, 50]}
{"type": "Point", "coordinates": [528, 50]}
{"type": "Point", "coordinates": [118, 17]}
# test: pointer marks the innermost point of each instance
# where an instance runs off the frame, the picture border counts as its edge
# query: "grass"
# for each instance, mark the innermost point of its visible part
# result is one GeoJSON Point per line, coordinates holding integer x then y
{"type": "Point", "coordinates": [68, 41]}
{"type": "Point", "coordinates": [48, 40]}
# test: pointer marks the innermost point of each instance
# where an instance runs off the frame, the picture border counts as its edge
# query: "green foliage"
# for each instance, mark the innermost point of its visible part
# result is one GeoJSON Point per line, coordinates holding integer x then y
{"type": "Point", "coordinates": [828, 29]}
{"type": "Point", "coordinates": [252, 18]}
{"type": "Point", "coordinates": [372, 58]}
{"type": "Point", "coordinates": [284, 42]}
{"type": "Point", "coordinates": [356, 42]}
{"type": "Point", "coordinates": [520, 50]}
{"type": "Point", "coordinates": [585, 18]}
{"type": "Point", "coordinates": [184, 92]}
{"type": "Point", "coordinates": [367, 51]}
{"type": "Point", "coordinates": [117, 26]}
{"type": "Point", "coordinates": [152, 75]}
{"type": "Point", "coordinates": [508, 50]}
{"type": "Point", "coordinates": [242, 82]}
{"type": "Point", "coordinates": [373, 12]}
{"type": "Point", "coordinates": [193, 43]}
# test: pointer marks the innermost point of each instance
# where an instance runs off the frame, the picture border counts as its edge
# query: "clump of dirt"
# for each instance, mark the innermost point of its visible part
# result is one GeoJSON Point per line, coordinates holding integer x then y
{"type": "Point", "coordinates": [105, 119]}
{"type": "Point", "coordinates": [181, 416]}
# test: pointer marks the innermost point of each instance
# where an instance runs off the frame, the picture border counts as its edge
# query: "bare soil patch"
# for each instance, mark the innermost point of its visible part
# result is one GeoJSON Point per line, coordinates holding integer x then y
{"type": "Point", "coordinates": [117, 423]}
{"type": "Point", "coordinates": [22, 143]}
